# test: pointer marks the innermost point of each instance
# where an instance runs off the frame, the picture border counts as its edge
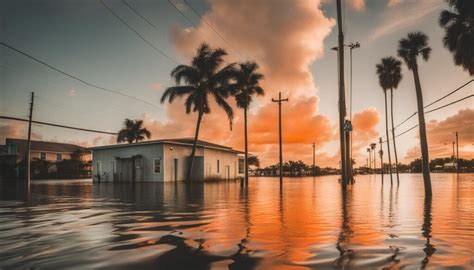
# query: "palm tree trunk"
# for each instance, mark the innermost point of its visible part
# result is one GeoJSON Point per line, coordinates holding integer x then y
{"type": "Point", "coordinates": [246, 149]}
{"type": "Point", "coordinates": [393, 136]}
{"type": "Point", "coordinates": [388, 139]}
{"type": "Point", "coordinates": [193, 151]}
{"type": "Point", "coordinates": [425, 161]}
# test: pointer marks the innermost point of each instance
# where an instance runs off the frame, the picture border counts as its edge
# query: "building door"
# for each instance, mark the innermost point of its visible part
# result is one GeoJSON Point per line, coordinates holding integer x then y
{"type": "Point", "coordinates": [175, 169]}
{"type": "Point", "coordinates": [227, 172]}
{"type": "Point", "coordinates": [208, 170]}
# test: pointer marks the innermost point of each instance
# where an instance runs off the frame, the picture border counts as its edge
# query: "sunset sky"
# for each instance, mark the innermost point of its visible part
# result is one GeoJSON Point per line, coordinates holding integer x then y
{"type": "Point", "coordinates": [290, 40]}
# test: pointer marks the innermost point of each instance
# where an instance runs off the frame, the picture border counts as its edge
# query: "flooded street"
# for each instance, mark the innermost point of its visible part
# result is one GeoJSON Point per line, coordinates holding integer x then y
{"type": "Point", "coordinates": [77, 224]}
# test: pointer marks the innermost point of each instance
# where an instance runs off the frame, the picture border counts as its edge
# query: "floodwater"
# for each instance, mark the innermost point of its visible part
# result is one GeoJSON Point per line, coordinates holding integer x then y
{"type": "Point", "coordinates": [309, 225]}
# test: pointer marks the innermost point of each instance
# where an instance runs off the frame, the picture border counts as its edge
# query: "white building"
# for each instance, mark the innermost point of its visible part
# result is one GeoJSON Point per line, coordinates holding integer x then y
{"type": "Point", "coordinates": [165, 161]}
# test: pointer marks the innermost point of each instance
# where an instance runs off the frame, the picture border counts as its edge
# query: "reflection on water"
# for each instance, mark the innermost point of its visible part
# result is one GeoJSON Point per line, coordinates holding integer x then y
{"type": "Point", "coordinates": [308, 224]}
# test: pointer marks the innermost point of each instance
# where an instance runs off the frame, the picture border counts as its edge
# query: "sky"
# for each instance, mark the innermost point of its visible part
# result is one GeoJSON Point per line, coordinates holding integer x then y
{"type": "Point", "coordinates": [290, 40]}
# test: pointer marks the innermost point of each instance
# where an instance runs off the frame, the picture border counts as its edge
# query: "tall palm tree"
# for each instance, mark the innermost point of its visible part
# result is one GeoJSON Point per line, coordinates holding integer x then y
{"type": "Point", "coordinates": [133, 131]}
{"type": "Point", "coordinates": [245, 87]}
{"type": "Point", "coordinates": [409, 48]}
{"type": "Point", "coordinates": [203, 78]}
{"type": "Point", "coordinates": [390, 75]}
{"type": "Point", "coordinates": [385, 72]}
{"type": "Point", "coordinates": [459, 25]}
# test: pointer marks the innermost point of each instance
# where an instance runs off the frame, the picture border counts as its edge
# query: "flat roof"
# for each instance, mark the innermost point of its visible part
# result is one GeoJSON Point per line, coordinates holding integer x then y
{"type": "Point", "coordinates": [181, 141]}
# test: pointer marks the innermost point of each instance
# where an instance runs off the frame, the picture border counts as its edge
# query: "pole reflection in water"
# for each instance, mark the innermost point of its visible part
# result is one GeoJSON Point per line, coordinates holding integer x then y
{"type": "Point", "coordinates": [309, 224]}
{"type": "Point", "coordinates": [345, 254]}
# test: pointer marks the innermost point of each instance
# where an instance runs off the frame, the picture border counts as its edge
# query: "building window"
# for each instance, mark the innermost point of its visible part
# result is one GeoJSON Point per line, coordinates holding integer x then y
{"type": "Point", "coordinates": [59, 157]}
{"type": "Point", "coordinates": [157, 165]}
{"type": "Point", "coordinates": [218, 169]}
{"type": "Point", "coordinates": [241, 165]}
{"type": "Point", "coordinates": [43, 156]}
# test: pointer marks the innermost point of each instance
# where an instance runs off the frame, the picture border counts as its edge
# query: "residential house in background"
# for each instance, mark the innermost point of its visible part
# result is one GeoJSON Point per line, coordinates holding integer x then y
{"type": "Point", "coordinates": [46, 156]}
{"type": "Point", "coordinates": [165, 161]}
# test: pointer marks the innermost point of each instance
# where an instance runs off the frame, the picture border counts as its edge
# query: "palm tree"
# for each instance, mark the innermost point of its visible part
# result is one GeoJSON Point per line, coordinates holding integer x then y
{"type": "Point", "coordinates": [459, 39]}
{"type": "Point", "coordinates": [390, 75]}
{"type": "Point", "coordinates": [409, 48]}
{"type": "Point", "coordinates": [203, 78]}
{"type": "Point", "coordinates": [133, 131]}
{"type": "Point", "coordinates": [245, 87]}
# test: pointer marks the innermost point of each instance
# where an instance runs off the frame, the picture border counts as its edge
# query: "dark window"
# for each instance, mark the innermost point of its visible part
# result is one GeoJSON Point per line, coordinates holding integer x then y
{"type": "Point", "coordinates": [241, 165]}
{"type": "Point", "coordinates": [157, 165]}
{"type": "Point", "coordinates": [218, 169]}
{"type": "Point", "coordinates": [42, 155]}
{"type": "Point", "coordinates": [59, 157]}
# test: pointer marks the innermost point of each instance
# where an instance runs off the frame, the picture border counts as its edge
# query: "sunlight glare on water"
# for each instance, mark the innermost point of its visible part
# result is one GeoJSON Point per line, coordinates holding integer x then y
{"type": "Point", "coordinates": [220, 225]}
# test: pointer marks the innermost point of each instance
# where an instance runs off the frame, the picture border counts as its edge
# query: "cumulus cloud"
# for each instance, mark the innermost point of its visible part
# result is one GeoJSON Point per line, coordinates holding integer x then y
{"type": "Point", "coordinates": [16, 130]}
{"type": "Point", "coordinates": [440, 136]}
{"type": "Point", "coordinates": [284, 48]}
{"type": "Point", "coordinates": [364, 132]}
{"type": "Point", "coordinates": [357, 5]}
{"type": "Point", "coordinates": [394, 3]}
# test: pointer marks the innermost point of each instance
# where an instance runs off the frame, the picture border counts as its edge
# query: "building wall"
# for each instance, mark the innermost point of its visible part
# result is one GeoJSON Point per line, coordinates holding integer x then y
{"type": "Point", "coordinates": [107, 158]}
{"type": "Point", "coordinates": [227, 161]}
{"type": "Point", "coordinates": [181, 153]}
{"type": "Point", "coordinates": [205, 165]}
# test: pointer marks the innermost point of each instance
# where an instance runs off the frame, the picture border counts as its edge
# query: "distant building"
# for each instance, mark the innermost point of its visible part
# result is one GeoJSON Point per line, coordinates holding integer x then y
{"type": "Point", "coordinates": [49, 160]}
{"type": "Point", "coordinates": [41, 150]}
{"type": "Point", "coordinates": [165, 161]}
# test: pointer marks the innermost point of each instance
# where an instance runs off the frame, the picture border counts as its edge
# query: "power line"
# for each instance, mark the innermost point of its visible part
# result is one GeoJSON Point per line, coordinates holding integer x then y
{"type": "Point", "coordinates": [57, 125]}
{"type": "Point", "coordinates": [450, 93]}
{"type": "Point", "coordinates": [212, 28]}
{"type": "Point", "coordinates": [75, 77]}
{"type": "Point", "coordinates": [140, 15]}
{"type": "Point", "coordinates": [180, 12]}
{"type": "Point", "coordinates": [451, 103]}
{"type": "Point", "coordinates": [137, 33]}
{"type": "Point", "coordinates": [439, 99]}
{"type": "Point", "coordinates": [433, 110]}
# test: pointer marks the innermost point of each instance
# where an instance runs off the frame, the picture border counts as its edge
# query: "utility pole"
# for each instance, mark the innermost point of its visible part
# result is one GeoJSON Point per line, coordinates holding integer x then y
{"type": "Point", "coordinates": [381, 158]}
{"type": "Point", "coordinates": [454, 152]}
{"type": "Point", "coordinates": [370, 160]}
{"type": "Point", "coordinates": [342, 98]}
{"type": "Point", "coordinates": [349, 138]}
{"type": "Point", "coordinates": [314, 158]}
{"type": "Point", "coordinates": [28, 150]}
{"type": "Point", "coordinates": [280, 100]}
{"type": "Point", "coordinates": [373, 146]}
{"type": "Point", "coordinates": [457, 152]}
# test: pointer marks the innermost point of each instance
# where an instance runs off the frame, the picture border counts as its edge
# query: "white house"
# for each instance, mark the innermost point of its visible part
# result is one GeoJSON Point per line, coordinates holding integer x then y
{"type": "Point", "coordinates": [165, 161]}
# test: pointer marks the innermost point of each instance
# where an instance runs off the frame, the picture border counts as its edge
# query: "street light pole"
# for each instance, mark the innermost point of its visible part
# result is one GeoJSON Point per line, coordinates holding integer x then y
{"type": "Point", "coordinates": [279, 100]}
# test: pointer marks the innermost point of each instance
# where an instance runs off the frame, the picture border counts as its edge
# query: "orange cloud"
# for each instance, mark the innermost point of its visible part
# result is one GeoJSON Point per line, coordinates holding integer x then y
{"type": "Point", "coordinates": [16, 129]}
{"type": "Point", "coordinates": [364, 132]}
{"type": "Point", "coordinates": [284, 64]}
{"type": "Point", "coordinates": [440, 136]}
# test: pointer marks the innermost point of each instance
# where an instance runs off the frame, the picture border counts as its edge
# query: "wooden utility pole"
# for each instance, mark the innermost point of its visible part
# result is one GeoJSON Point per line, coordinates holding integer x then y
{"type": "Point", "coordinates": [279, 100]}
{"type": "Point", "coordinates": [381, 158]}
{"type": "Point", "coordinates": [342, 98]}
{"type": "Point", "coordinates": [314, 159]}
{"type": "Point", "coordinates": [28, 150]}
{"type": "Point", "coordinates": [457, 152]}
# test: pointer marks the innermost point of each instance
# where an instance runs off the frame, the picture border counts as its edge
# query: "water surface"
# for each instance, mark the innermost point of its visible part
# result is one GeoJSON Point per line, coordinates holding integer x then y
{"type": "Point", "coordinates": [306, 225]}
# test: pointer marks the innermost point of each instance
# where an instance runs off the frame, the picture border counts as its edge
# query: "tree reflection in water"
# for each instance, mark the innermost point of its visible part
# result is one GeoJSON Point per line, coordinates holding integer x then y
{"type": "Point", "coordinates": [426, 231]}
